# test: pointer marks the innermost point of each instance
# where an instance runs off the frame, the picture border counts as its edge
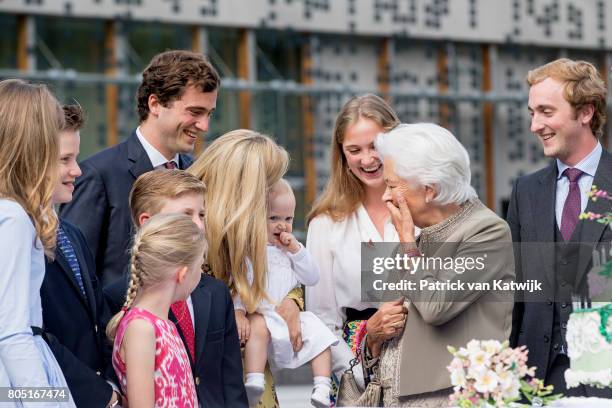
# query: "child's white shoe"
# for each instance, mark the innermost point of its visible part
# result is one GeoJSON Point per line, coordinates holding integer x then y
{"type": "Point", "coordinates": [320, 397]}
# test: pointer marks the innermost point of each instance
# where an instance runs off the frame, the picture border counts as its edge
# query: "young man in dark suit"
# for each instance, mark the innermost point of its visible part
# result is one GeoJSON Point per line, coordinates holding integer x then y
{"type": "Point", "coordinates": [567, 103]}
{"type": "Point", "coordinates": [74, 312]}
{"type": "Point", "coordinates": [210, 335]}
{"type": "Point", "coordinates": [176, 98]}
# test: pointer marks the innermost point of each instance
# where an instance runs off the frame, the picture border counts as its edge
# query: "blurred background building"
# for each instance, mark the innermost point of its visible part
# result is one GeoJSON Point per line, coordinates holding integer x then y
{"type": "Point", "coordinates": [289, 65]}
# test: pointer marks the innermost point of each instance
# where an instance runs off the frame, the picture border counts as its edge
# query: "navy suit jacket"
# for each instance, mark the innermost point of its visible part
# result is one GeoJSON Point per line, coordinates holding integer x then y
{"type": "Point", "coordinates": [217, 369]}
{"type": "Point", "coordinates": [531, 216]}
{"type": "Point", "coordinates": [75, 324]}
{"type": "Point", "coordinates": [100, 206]}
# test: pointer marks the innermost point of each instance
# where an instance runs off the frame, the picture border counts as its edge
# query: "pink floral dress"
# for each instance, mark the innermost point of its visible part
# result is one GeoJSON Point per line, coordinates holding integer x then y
{"type": "Point", "coordinates": [174, 387]}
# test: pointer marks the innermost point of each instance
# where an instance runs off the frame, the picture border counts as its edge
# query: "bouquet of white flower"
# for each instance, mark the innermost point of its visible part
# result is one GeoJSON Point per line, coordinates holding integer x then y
{"type": "Point", "coordinates": [490, 374]}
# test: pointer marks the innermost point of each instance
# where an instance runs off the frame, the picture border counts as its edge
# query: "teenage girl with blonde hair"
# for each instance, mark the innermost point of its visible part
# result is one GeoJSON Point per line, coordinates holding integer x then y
{"type": "Point", "coordinates": [149, 357]}
{"type": "Point", "coordinates": [351, 211]}
{"type": "Point", "coordinates": [30, 121]}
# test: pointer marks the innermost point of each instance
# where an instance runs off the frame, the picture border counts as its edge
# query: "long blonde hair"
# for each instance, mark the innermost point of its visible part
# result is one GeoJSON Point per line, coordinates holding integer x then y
{"type": "Point", "coordinates": [164, 242]}
{"type": "Point", "coordinates": [344, 191]}
{"type": "Point", "coordinates": [238, 169]}
{"type": "Point", "coordinates": [30, 121]}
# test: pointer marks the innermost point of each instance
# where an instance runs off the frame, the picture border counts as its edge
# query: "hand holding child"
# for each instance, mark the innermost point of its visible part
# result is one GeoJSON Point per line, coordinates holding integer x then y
{"type": "Point", "coordinates": [243, 326]}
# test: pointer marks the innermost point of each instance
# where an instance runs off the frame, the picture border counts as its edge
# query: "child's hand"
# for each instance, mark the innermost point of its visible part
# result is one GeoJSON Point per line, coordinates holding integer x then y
{"type": "Point", "coordinates": [243, 326]}
{"type": "Point", "coordinates": [288, 242]}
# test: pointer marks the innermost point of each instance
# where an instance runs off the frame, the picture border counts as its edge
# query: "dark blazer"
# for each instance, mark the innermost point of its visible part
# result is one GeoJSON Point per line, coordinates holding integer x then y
{"type": "Point", "coordinates": [531, 216]}
{"type": "Point", "coordinates": [217, 370]}
{"type": "Point", "coordinates": [76, 324]}
{"type": "Point", "coordinates": [100, 206]}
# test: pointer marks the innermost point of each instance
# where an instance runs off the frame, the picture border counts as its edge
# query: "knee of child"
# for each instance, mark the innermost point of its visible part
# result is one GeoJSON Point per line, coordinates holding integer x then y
{"type": "Point", "coordinates": [258, 325]}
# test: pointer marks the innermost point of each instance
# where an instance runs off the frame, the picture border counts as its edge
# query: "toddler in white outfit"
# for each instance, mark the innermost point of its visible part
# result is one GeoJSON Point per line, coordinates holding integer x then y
{"type": "Point", "coordinates": [265, 332]}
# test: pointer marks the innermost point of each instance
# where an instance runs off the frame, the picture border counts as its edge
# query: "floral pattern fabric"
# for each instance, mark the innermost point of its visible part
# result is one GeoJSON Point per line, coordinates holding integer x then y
{"type": "Point", "coordinates": [174, 386]}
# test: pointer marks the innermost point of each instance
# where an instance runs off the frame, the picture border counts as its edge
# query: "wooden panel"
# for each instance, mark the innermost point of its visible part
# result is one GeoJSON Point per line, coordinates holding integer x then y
{"type": "Point", "coordinates": [444, 108]}
{"type": "Point", "coordinates": [23, 62]}
{"type": "Point", "coordinates": [112, 90]}
{"type": "Point", "coordinates": [488, 117]}
{"type": "Point", "coordinates": [310, 171]}
{"type": "Point", "coordinates": [384, 68]}
{"type": "Point", "coordinates": [199, 43]}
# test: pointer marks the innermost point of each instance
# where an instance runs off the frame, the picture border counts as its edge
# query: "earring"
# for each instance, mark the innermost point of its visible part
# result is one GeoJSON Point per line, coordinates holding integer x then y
{"type": "Point", "coordinates": [427, 200]}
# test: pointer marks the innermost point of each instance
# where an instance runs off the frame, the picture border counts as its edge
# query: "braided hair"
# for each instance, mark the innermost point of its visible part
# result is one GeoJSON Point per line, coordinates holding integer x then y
{"type": "Point", "coordinates": [164, 242]}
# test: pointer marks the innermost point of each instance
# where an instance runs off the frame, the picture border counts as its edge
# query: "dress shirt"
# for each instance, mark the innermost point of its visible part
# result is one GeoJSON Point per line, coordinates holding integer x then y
{"type": "Point", "coordinates": [588, 166]}
{"type": "Point", "coordinates": [157, 159]}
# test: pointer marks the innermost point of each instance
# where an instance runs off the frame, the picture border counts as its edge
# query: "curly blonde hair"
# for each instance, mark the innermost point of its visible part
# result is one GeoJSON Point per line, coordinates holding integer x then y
{"type": "Point", "coordinates": [582, 86]}
{"type": "Point", "coordinates": [30, 121]}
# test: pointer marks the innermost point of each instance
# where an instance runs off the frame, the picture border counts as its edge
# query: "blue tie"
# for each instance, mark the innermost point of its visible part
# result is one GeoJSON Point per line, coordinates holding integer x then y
{"type": "Point", "coordinates": [68, 251]}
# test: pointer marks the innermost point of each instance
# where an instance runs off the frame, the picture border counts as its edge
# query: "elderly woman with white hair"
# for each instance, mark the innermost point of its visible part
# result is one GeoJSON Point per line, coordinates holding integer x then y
{"type": "Point", "coordinates": [427, 173]}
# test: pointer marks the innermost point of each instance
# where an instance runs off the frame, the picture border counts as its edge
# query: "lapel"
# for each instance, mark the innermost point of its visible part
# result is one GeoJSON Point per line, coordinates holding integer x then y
{"type": "Point", "coordinates": [184, 161]}
{"type": "Point", "coordinates": [591, 231]}
{"type": "Point", "coordinates": [85, 274]}
{"type": "Point", "coordinates": [65, 267]}
{"type": "Point", "coordinates": [543, 210]}
{"type": "Point", "coordinates": [137, 156]}
{"type": "Point", "coordinates": [201, 300]}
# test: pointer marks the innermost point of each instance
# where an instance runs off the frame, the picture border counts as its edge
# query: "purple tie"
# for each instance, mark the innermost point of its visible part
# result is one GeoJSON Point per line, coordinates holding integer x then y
{"type": "Point", "coordinates": [170, 165]}
{"type": "Point", "coordinates": [571, 208]}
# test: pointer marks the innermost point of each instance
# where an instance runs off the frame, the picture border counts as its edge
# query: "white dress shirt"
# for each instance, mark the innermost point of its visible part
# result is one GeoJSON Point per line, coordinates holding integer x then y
{"type": "Point", "coordinates": [158, 160]}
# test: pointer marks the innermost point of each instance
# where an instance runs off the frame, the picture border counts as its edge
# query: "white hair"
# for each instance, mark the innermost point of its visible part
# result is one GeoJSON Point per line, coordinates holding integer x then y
{"type": "Point", "coordinates": [429, 155]}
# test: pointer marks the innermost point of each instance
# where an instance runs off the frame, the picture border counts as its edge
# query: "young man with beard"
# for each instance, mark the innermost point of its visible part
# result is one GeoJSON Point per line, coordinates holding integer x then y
{"type": "Point", "coordinates": [176, 98]}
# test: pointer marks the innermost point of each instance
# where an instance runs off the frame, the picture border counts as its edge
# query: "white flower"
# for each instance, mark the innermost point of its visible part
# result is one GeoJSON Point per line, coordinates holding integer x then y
{"type": "Point", "coordinates": [457, 378]}
{"type": "Point", "coordinates": [491, 347]}
{"type": "Point", "coordinates": [511, 389]}
{"type": "Point", "coordinates": [479, 360]}
{"type": "Point", "coordinates": [486, 381]}
{"type": "Point", "coordinates": [473, 346]}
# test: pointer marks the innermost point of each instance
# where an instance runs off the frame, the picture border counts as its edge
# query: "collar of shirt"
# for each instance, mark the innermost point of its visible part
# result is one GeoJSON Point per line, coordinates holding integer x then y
{"type": "Point", "coordinates": [157, 159]}
{"type": "Point", "coordinates": [587, 165]}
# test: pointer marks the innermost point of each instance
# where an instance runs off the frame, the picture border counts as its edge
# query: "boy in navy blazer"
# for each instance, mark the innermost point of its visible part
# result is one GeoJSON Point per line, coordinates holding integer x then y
{"type": "Point", "coordinates": [216, 361]}
{"type": "Point", "coordinates": [74, 313]}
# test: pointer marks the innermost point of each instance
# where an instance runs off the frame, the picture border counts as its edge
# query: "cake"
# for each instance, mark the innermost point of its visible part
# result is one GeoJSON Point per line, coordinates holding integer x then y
{"type": "Point", "coordinates": [589, 343]}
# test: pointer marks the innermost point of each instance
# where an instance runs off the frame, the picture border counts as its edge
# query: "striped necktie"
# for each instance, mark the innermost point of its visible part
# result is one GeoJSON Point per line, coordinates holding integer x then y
{"type": "Point", "coordinates": [67, 249]}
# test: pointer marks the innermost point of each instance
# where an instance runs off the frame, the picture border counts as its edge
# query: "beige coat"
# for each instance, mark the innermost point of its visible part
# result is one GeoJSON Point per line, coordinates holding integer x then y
{"type": "Point", "coordinates": [437, 319]}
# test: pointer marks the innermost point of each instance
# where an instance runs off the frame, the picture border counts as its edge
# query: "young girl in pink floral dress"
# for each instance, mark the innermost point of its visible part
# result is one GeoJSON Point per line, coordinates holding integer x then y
{"type": "Point", "coordinates": [148, 355]}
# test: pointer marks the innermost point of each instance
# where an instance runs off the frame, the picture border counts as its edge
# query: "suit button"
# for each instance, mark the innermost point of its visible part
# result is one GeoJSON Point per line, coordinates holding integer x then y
{"type": "Point", "coordinates": [546, 339]}
{"type": "Point", "coordinates": [98, 373]}
{"type": "Point", "coordinates": [556, 346]}
{"type": "Point", "coordinates": [564, 325]}
{"type": "Point", "coordinates": [563, 305]}
{"type": "Point", "coordinates": [197, 380]}
{"type": "Point", "coordinates": [563, 283]}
